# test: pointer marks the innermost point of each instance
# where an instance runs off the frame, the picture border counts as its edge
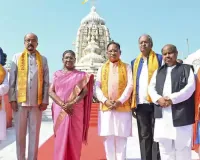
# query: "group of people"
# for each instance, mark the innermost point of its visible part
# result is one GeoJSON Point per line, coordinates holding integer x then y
{"type": "Point", "coordinates": [160, 93]}
{"type": "Point", "coordinates": [156, 89]}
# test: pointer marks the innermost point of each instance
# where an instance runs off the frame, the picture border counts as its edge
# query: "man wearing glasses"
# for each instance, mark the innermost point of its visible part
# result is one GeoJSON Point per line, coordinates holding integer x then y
{"type": "Point", "coordinates": [28, 95]}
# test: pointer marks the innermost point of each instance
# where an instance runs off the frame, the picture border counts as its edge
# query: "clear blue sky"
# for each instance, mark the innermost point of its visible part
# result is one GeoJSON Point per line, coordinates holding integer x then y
{"type": "Point", "coordinates": [56, 23]}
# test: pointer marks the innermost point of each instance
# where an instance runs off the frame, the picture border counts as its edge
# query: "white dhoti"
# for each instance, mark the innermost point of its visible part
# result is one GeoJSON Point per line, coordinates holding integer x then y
{"type": "Point", "coordinates": [174, 142]}
{"type": "Point", "coordinates": [2, 121]}
{"type": "Point", "coordinates": [31, 116]}
{"type": "Point", "coordinates": [172, 150]}
{"type": "Point", "coordinates": [115, 147]}
{"type": "Point", "coordinates": [116, 127]}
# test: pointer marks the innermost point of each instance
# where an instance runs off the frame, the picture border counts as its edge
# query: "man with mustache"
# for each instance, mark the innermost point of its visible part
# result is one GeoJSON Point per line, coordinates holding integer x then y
{"type": "Point", "coordinates": [113, 89]}
{"type": "Point", "coordinates": [28, 95]}
{"type": "Point", "coordinates": [143, 67]}
{"type": "Point", "coordinates": [172, 90]}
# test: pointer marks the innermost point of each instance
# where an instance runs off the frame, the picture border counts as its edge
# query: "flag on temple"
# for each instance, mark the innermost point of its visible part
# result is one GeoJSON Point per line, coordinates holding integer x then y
{"type": "Point", "coordinates": [84, 1]}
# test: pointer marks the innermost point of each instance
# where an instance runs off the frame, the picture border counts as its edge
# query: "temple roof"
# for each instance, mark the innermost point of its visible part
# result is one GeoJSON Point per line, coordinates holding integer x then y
{"type": "Point", "coordinates": [93, 16]}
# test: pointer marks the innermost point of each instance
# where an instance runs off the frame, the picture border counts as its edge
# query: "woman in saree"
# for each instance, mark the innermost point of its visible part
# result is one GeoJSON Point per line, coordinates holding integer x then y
{"type": "Point", "coordinates": [71, 91]}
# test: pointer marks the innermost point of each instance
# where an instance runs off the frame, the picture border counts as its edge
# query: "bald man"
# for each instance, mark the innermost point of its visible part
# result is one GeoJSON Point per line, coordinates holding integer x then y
{"type": "Point", "coordinates": [172, 90]}
{"type": "Point", "coordinates": [28, 95]}
{"type": "Point", "coordinates": [143, 67]}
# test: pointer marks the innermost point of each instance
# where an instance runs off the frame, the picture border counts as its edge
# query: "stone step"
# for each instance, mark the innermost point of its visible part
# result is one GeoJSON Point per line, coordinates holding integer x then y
{"type": "Point", "coordinates": [93, 112]}
{"type": "Point", "coordinates": [94, 116]}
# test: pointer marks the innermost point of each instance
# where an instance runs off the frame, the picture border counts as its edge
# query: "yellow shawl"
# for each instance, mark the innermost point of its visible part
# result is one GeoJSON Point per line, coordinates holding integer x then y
{"type": "Point", "coordinates": [2, 76]}
{"type": "Point", "coordinates": [122, 71]}
{"type": "Point", "coordinates": [23, 74]}
{"type": "Point", "coordinates": [153, 64]}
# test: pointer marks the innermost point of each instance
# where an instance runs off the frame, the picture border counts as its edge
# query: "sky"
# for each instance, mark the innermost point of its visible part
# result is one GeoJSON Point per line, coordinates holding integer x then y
{"type": "Point", "coordinates": [56, 23]}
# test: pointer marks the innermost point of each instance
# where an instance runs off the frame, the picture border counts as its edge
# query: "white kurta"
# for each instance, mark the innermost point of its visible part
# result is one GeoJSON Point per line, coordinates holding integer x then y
{"type": "Point", "coordinates": [4, 87]}
{"type": "Point", "coordinates": [113, 122]}
{"type": "Point", "coordinates": [164, 128]}
{"type": "Point", "coordinates": [143, 83]}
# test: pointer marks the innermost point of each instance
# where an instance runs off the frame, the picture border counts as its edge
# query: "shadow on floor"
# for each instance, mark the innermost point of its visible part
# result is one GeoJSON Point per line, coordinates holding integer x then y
{"type": "Point", "coordinates": [10, 138]}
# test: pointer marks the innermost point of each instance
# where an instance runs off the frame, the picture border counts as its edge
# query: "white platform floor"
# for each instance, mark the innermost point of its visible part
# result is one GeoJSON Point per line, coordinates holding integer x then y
{"type": "Point", "coordinates": [8, 147]}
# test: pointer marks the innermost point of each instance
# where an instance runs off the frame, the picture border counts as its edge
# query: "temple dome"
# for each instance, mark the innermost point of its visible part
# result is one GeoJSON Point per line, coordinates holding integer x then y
{"type": "Point", "coordinates": [92, 58]}
{"type": "Point", "coordinates": [92, 47]}
{"type": "Point", "coordinates": [93, 17]}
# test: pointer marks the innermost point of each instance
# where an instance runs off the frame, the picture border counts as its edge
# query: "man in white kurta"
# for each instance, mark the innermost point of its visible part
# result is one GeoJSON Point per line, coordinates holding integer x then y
{"type": "Point", "coordinates": [174, 142]}
{"type": "Point", "coordinates": [4, 87]}
{"type": "Point", "coordinates": [143, 67]}
{"type": "Point", "coordinates": [114, 125]}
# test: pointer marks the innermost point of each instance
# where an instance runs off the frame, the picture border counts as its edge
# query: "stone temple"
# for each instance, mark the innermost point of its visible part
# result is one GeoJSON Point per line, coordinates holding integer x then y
{"type": "Point", "coordinates": [194, 59]}
{"type": "Point", "coordinates": [91, 42]}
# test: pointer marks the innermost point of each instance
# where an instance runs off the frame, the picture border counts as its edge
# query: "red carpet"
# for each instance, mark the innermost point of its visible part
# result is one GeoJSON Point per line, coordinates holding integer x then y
{"type": "Point", "coordinates": [46, 150]}
{"type": "Point", "coordinates": [93, 151]}
{"type": "Point", "coordinates": [94, 115]}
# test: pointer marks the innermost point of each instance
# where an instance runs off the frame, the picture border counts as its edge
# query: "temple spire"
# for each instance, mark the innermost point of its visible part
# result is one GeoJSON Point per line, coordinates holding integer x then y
{"type": "Point", "coordinates": [93, 2]}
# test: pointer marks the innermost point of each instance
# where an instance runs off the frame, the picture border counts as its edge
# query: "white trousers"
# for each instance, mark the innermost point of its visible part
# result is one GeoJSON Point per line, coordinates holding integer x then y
{"type": "Point", "coordinates": [32, 117]}
{"type": "Point", "coordinates": [2, 120]}
{"type": "Point", "coordinates": [115, 147]}
{"type": "Point", "coordinates": [170, 150]}
{"type": "Point", "coordinates": [2, 125]}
